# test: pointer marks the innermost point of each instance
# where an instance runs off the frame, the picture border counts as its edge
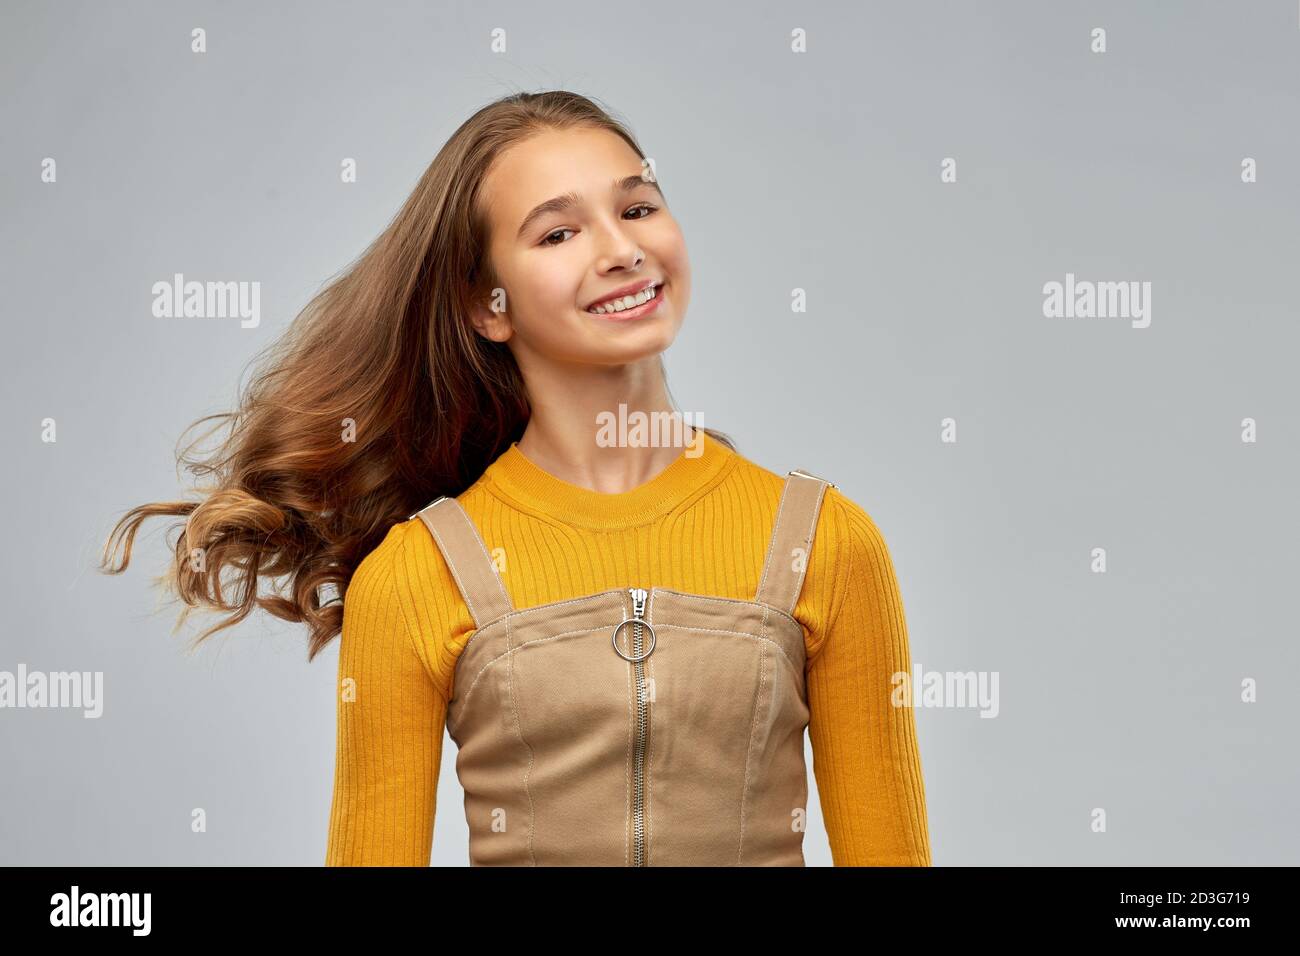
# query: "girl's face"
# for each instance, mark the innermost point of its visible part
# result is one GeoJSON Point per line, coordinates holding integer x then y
{"type": "Point", "coordinates": [571, 222]}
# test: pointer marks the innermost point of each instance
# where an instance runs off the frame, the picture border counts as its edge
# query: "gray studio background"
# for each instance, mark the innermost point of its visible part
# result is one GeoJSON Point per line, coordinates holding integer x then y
{"type": "Point", "coordinates": [817, 171]}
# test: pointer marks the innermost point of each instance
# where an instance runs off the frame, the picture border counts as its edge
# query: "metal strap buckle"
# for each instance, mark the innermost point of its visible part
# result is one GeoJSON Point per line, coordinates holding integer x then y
{"type": "Point", "coordinates": [808, 474]}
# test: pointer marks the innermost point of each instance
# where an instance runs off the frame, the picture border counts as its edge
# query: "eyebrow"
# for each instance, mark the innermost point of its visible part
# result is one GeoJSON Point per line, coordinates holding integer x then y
{"type": "Point", "coordinates": [569, 200]}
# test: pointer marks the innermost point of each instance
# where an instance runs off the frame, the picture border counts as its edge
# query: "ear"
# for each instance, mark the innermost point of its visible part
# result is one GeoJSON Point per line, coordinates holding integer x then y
{"type": "Point", "coordinates": [490, 317]}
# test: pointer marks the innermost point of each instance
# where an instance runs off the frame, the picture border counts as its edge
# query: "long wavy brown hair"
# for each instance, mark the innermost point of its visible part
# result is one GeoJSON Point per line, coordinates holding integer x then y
{"type": "Point", "coordinates": [380, 397]}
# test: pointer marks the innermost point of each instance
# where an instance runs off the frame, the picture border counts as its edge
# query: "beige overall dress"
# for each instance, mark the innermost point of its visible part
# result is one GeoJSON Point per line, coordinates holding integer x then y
{"type": "Point", "coordinates": [638, 726]}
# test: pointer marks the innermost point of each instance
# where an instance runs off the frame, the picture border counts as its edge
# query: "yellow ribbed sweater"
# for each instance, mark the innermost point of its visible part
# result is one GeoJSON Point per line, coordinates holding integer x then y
{"type": "Point", "coordinates": [702, 526]}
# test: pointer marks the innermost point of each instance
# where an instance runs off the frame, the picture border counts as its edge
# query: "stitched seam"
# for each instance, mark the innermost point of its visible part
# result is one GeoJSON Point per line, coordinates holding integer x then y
{"type": "Point", "coordinates": [456, 574]}
{"type": "Point", "coordinates": [766, 608]}
{"type": "Point", "coordinates": [721, 600]}
{"type": "Point", "coordinates": [519, 728]}
{"type": "Point", "coordinates": [627, 770]}
{"type": "Point", "coordinates": [492, 571]}
{"type": "Point", "coordinates": [808, 540]}
{"type": "Point", "coordinates": [753, 724]}
{"type": "Point", "coordinates": [843, 557]}
{"type": "Point", "coordinates": [491, 565]}
{"type": "Point", "coordinates": [600, 594]}
{"type": "Point", "coordinates": [509, 651]}
{"type": "Point", "coordinates": [649, 774]}
{"type": "Point", "coordinates": [776, 536]}
{"type": "Point", "coordinates": [711, 630]}
{"type": "Point", "coordinates": [650, 725]}
{"type": "Point", "coordinates": [542, 607]}
{"type": "Point", "coordinates": [649, 617]}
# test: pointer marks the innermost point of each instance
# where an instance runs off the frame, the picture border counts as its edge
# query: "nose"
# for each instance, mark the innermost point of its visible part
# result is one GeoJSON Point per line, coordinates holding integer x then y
{"type": "Point", "coordinates": [617, 249]}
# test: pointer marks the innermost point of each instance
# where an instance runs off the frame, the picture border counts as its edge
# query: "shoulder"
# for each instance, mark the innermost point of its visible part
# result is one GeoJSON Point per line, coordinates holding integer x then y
{"type": "Point", "coordinates": [839, 514]}
{"type": "Point", "coordinates": [853, 534]}
{"type": "Point", "coordinates": [848, 550]}
{"type": "Point", "coordinates": [401, 600]}
{"type": "Point", "coordinates": [850, 572]}
{"type": "Point", "coordinates": [846, 539]}
{"type": "Point", "coordinates": [379, 598]}
{"type": "Point", "coordinates": [375, 575]}
{"type": "Point", "coordinates": [843, 525]}
{"type": "Point", "coordinates": [752, 480]}
{"type": "Point", "coordinates": [847, 515]}
{"type": "Point", "coordinates": [406, 543]}
{"type": "Point", "coordinates": [374, 623]}
{"type": "Point", "coordinates": [395, 575]}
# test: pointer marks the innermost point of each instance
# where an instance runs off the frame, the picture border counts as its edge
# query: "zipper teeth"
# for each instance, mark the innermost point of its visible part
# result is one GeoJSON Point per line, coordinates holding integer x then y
{"type": "Point", "coordinates": [638, 802]}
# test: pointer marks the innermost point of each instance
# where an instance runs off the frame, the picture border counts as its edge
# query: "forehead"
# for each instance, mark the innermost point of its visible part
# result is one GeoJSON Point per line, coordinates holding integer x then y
{"type": "Point", "coordinates": [551, 163]}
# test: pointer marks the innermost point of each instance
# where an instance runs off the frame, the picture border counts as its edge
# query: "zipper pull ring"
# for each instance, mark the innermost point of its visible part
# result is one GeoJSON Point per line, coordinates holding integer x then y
{"type": "Point", "coordinates": [637, 619]}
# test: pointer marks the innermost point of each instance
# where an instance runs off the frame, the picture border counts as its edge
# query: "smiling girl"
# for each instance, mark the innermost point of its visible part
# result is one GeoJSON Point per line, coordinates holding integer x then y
{"type": "Point", "coordinates": [626, 639]}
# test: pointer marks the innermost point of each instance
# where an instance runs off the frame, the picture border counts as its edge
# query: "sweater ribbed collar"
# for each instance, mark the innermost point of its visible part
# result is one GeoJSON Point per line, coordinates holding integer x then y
{"type": "Point", "coordinates": [517, 477]}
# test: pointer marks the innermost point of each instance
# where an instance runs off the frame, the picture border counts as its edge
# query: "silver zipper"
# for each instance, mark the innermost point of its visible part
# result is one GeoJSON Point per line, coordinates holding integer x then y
{"type": "Point", "coordinates": [638, 656]}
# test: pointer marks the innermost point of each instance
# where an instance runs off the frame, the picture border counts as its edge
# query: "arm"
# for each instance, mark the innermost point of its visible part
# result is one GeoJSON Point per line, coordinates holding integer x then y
{"type": "Point", "coordinates": [865, 755]}
{"type": "Point", "coordinates": [389, 743]}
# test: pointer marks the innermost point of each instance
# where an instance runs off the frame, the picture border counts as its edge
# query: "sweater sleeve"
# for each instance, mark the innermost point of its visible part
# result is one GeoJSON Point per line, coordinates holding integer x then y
{"type": "Point", "coordinates": [865, 755]}
{"type": "Point", "coordinates": [390, 726]}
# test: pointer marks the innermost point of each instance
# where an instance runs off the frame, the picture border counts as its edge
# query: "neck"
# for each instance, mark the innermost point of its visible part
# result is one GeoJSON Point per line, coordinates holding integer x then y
{"type": "Point", "coordinates": [684, 473]}
{"type": "Point", "coordinates": [604, 428]}
{"type": "Point", "coordinates": [620, 452]}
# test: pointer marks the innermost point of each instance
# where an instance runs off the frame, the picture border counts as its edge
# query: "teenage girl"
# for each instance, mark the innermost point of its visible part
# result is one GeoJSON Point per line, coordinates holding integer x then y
{"type": "Point", "coordinates": [625, 636]}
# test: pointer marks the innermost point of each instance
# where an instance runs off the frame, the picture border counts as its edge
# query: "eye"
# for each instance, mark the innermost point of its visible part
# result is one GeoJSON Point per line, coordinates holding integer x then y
{"type": "Point", "coordinates": [646, 207]}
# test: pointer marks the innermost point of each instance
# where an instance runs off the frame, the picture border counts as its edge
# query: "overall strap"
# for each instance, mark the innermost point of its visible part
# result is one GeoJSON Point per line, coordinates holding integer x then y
{"type": "Point", "coordinates": [463, 549]}
{"type": "Point", "coordinates": [792, 537]}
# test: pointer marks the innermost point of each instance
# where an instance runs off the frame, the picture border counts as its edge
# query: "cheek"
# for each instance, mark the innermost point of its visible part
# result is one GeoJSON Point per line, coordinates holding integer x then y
{"type": "Point", "coordinates": [672, 251]}
{"type": "Point", "coordinates": [546, 301]}
{"type": "Point", "coordinates": [542, 290]}
{"type": "Point", "coordinates": [678, 267]}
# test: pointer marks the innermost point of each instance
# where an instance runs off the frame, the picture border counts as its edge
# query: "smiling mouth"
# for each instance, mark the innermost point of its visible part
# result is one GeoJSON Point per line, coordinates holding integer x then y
{"type": "Point", "coordinates": [627, 303]}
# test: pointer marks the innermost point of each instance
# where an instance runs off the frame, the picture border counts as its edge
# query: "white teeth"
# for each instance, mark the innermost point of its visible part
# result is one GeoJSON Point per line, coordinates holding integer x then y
{"type": "Point", "coordinates": [627, 302]}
